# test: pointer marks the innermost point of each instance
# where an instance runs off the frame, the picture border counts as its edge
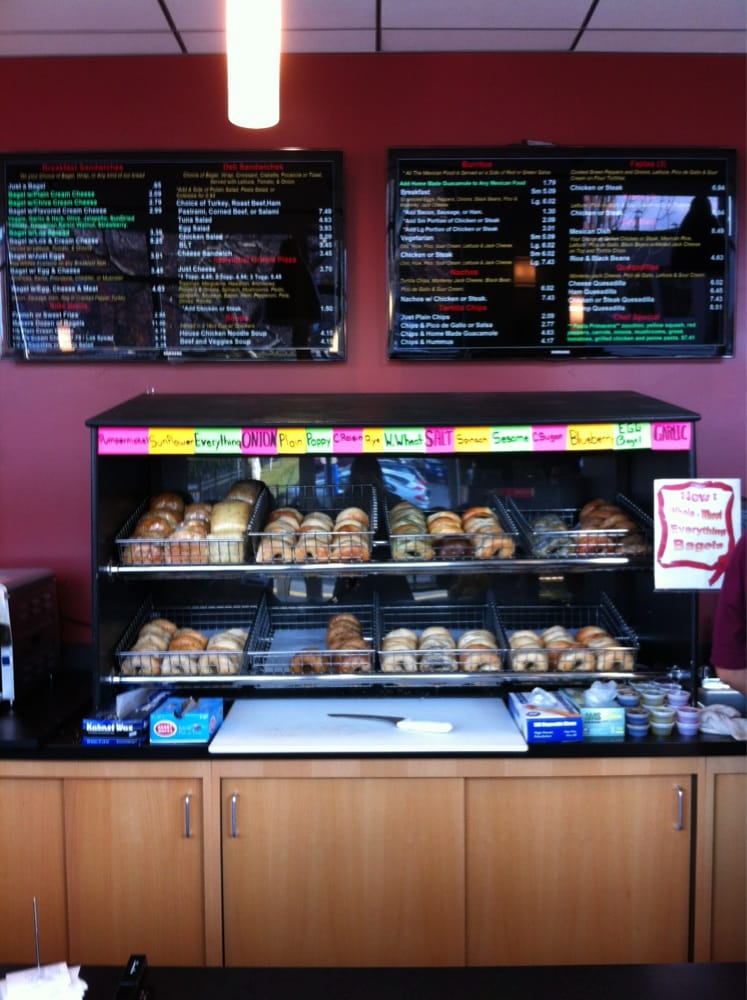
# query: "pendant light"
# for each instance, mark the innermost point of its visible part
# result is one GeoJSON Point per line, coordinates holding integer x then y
{"type": "Point", "coordinates": [253, 62]}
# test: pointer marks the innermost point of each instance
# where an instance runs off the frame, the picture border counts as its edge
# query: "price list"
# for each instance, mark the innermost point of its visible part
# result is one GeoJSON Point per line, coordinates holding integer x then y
{"type": "Point", "coordinates": [472, 239]}
{"type": "Point", "coordinates": [495, 253]}
{"type": "Point", "coordinates": [177, 257]}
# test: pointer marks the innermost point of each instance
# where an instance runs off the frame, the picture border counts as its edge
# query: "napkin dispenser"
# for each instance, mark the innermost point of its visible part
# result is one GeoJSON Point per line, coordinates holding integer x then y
{"type": "Point", "coordinates": [29, 631]}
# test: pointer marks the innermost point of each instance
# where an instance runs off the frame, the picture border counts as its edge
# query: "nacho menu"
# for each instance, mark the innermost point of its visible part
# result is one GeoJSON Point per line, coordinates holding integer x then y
{"type": "Point", "coordinates": [175, 257]}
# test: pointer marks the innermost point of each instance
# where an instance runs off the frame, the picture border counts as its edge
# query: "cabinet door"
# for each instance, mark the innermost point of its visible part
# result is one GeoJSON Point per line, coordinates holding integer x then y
{"type": "Point", "coordinates": [33, 865]}
{"type": "Point", "coordinates": [343, 872]}
{"type": "Point", "coordinates": [729, 899]}
{"type": "Point", "coordinates": [578, 870]}
{"type": "Point", "coordinates": [134, 870]}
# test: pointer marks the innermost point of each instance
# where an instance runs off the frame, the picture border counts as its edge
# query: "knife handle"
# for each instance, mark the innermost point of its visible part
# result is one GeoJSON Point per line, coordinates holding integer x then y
{"type": "Point", "coordinates": [423, 726]}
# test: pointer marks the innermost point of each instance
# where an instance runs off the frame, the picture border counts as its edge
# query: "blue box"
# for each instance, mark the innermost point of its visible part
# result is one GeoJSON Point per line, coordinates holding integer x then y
{"type": "Point", "coordinates": [186, 720]}
{"type": "Point", "coordinates": [606, 721]}
{"type": "Point", "coordinates": [560, 723]}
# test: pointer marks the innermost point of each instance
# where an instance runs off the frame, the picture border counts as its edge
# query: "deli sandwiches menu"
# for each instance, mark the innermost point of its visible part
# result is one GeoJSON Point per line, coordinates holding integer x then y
{"type": "Point", "coordinates": [178, 256]}
{"type": "Point", "coordinates": [561, 252]}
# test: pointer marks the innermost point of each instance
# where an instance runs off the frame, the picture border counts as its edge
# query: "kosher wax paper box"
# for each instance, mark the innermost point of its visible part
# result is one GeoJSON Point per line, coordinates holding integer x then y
{"type": "Point", "coordinates": [546, 717]}
{"type": "Point", "coordinates": [186, 720]}
{"type": "Point", "coordinates": [126, 723]}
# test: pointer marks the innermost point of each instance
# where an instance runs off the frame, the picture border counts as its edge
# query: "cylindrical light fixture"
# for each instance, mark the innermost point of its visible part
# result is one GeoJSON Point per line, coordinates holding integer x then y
{"type": "Point", "coordinates": [253, 61]}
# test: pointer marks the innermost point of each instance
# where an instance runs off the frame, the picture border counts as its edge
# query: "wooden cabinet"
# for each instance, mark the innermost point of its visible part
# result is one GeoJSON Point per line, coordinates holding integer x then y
{"type": "Point", "coordinates": [33, 866]}
{"type": "Point", "coordinates": [721, 883]}
{"type": "Point", "coordinates": [343, 871]}
{"type": "Point", "coordinates": [578, 868]}
{"type": "Point", "coordinates": [134, 860]}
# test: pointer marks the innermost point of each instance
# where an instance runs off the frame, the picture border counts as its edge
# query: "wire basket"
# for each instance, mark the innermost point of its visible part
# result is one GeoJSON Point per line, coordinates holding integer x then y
{"type": "Point", "coordinates": [555, 533]}
{"type": "Point", "coordinates": [455, 546]}
{"type": "Point", "coordinates": [304, 547]}
{"type": "Point", "coordinates": [209, 660]}
{"type": "Point", "coordinates": [214, 549]}
{"type": "Point", "coordinates": [542, 651]}
{"type": "Point", "coordinates": [291, 641]}
{"type": "Point", "coordinates": [451, 639]}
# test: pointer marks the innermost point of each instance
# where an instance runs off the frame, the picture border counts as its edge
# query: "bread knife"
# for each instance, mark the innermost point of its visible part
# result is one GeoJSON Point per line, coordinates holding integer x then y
{"type": "Point", "coordinates": [406, 725]}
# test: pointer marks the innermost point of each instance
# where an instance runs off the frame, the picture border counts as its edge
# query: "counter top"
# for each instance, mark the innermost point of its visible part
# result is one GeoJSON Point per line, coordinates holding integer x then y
{"type": "Point", "coordinates": [611, 982]}
{"type": "Point", "coordinates": [48, 728]}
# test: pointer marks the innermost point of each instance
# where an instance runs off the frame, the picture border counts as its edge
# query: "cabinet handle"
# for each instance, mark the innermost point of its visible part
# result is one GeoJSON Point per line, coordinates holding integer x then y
{"type": "Point", "coordinates": [187, 816]}
{"type": "Point", "coordinates": [234, 808]}
{"type": "Point", "coordinates": [680, 822]}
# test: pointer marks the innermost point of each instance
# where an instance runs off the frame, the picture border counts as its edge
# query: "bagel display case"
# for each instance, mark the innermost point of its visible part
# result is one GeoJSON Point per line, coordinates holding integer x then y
{"type": "Point", "coordinates": [534, 516]}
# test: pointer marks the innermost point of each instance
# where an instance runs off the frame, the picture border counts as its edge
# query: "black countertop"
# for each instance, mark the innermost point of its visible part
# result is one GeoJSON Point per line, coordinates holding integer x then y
{"type": "Point", "coordinates": [727, 981]}
{"type": "Point", "coordinates": [48, 727]}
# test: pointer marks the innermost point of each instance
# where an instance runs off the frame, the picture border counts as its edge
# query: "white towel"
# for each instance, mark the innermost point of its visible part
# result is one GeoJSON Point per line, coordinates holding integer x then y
{"type": "Point", "coordinates": [723, 720]}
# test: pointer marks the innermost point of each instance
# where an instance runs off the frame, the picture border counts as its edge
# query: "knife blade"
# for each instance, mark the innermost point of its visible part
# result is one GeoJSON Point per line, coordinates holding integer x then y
{"type": "Point", "coordinates": [406, 725]}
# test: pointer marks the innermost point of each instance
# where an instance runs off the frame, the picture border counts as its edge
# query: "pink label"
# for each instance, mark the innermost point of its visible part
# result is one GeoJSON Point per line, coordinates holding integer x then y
{"type": "Point", "coordinates": [347, 439]}
{"type": "Point", "coordinates": [671, 437]}
{"type": "Point", "coordinates": [439, 439]}
{"type": "Point", "coordinates": [550, 438]}
{"type": "Point", "coordinates": [259, 441]}
{"type": "Point", "coordinates": [123, 440]}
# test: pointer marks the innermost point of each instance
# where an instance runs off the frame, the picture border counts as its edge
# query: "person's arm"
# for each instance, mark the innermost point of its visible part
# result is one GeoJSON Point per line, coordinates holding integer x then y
{"type": "Point", "coordinates": [736, 679]}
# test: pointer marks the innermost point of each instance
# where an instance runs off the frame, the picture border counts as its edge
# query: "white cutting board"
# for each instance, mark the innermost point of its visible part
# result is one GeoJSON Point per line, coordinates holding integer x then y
{"type": "Point", "coordinates": [300, 725]}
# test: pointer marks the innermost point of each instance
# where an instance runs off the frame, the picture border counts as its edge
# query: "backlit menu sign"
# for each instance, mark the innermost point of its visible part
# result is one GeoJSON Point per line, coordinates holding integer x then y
{"type": "Point", "coordinates": [554, 252]}
{"type": "Point", "coordinates": [179, 256]}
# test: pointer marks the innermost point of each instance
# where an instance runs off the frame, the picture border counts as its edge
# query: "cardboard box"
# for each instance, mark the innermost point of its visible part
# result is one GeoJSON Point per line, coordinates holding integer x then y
{"type": "Point", "coordinates": [186, 720]}
{"type": "Point", "coordinates": [606, 721]}
{"type": "Point", "coordinates": [559, 723]}
{"type": "Point", "coordinates": [127, 723]}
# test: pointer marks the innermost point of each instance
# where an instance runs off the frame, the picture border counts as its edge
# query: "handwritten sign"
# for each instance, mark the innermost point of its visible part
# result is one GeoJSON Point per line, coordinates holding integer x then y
{"type": "Point", "coordinates": [123, 441]}
{"type": "Point", "coordinates": [591, 437]}
{"type": "Point", "coordinates": [549, 438]}
{"type": "Point", "coordinates": [471, 439]}
{"type": "Point", "coordinates": [696, 525]}
{"type": "Point", "coordinates": [171, 441]}
{"type": "Point", "coordinates": [217, 442]}
{"type": "Point", "coordinates": [511, 439]}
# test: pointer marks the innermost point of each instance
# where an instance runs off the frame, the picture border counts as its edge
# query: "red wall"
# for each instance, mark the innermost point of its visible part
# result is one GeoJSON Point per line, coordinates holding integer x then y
{"type": "Point", "coordinates": [360, 104]}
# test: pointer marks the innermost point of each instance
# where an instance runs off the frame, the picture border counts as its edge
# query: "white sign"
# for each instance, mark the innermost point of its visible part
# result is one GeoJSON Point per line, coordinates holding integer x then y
{"type": "Point", "coordinates": [696, 526]}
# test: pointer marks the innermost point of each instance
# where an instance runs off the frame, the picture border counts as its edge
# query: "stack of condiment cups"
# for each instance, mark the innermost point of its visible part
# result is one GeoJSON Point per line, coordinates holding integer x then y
{"type": "Point", "coordinates": [628, 697]}
{"type": "Point", "coordinates": [688, 720]}
{"type": "Point", "coordinates": [677, 697]}
{"type": "Point", "coordinates": [637, 721]}
{"type": "Point", "coordinates": [662, 719]}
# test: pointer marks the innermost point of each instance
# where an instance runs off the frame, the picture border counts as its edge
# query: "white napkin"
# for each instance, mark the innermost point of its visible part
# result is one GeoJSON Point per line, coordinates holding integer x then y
{"type": "Point", "coordinates": [45, 982]}
{"type": "Point", "coordinates": [723, 720]}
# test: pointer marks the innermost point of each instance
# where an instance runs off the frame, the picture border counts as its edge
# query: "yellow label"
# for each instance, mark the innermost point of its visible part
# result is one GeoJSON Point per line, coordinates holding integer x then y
{"type": "Point", "coordinates": [171, 441]}
{"type": "Point", "coordinates": [291, 441]}
{"type": "Point", "coordinates": [591, 437]}
{"type": "Point", "coordinates": [373, 439]}
{"type": "Point", "coordinates": [472, 438]}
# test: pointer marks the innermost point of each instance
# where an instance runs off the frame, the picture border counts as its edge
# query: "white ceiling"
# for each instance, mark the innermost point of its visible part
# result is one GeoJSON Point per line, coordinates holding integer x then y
{"type": "Point", "coordinates": [153, 27]}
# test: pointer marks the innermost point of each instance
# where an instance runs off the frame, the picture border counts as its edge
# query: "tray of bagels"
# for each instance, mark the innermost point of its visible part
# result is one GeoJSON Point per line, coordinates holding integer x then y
{"type": "Point", "coordinates": [568, 638]}
{"type": "Point", "coordinates": [477, 533]}
{"type": "Point", "coordinates": [315, 524]}
{"type": "Point", "coordinates": [186, 641]}
{"type": "Point", "coordinates": [168, 529]}
{"type": "Point", "coordinates": [268, 640]}
{"type": "Point", "coordinates": [598, 529]}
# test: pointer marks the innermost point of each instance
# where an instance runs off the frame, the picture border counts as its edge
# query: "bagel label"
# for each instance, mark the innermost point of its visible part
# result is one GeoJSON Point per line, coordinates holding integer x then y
{"type": "Point", "coordinates": [591, 437]}
{"type": "Point", "coordinates": [171, 441]}
{"type": "Point", "coordinates": [123, 441]}
{"type": "Point", "coordinates": [511, 439]}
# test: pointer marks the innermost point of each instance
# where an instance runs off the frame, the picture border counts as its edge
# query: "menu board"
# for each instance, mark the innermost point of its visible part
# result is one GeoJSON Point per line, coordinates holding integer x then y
{"type": "Point", "coordinates": [542, 252]}
{"type": "Point", "coordinates": [179, 256]}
